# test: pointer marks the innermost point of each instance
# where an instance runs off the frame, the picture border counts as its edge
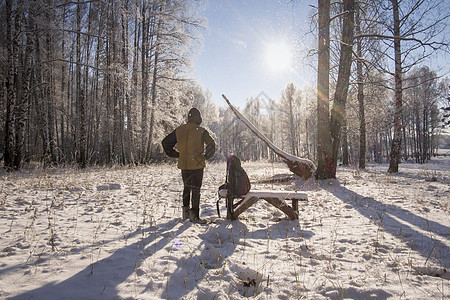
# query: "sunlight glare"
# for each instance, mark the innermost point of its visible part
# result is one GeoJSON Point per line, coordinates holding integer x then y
{"type": "Point", "coordinates": [278, 57]}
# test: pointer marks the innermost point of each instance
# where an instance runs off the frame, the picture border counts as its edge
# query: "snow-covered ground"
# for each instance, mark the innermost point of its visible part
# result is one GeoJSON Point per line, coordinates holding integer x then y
{"type": "Point", "coordinates": [116, 233]}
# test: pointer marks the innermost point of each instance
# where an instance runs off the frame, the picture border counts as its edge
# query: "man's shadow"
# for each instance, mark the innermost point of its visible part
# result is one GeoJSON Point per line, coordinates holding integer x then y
{"type": "Point", "coordinates": [105, 275]}
{"type": "Point", "coordinates": [219, 242]}
{"type": "Point", "coordinates": [428, 243]}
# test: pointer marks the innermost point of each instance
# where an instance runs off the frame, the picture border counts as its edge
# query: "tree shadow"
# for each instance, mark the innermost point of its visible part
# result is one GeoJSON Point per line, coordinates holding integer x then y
{"type": "Point", "coordinates": [400, 223]}
{"type": "Point", "coordinates": [353, 293]}
{"type": "Point", "coordinates": [428, 175]}
{"type": "Point", "coordinates": [104, 276]}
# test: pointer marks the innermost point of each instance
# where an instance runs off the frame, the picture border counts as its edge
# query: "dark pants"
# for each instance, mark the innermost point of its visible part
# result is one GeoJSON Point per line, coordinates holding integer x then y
{"type": "Point", "coordinates": [192, 180]}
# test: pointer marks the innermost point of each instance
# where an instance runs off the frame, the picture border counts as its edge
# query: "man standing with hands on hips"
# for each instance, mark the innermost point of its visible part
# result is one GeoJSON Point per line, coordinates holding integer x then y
{"type": "Point", "coordinates": [191, 140]}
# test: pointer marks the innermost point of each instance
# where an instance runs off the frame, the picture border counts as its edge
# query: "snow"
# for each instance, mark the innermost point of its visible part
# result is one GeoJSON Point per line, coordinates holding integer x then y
{"type": "Point", "coordinates": [116, 233]}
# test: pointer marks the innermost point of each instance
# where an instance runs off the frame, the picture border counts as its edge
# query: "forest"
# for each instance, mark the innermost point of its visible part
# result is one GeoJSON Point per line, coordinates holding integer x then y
{"type": "Point", "coordinates": [101, 82]}
{"type": "Point", "coordinates": [91, 207]}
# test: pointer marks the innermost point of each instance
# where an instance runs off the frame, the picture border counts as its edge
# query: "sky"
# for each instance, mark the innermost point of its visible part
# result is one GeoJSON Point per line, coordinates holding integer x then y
{"type": "Point", "coordinates": [254, 48]}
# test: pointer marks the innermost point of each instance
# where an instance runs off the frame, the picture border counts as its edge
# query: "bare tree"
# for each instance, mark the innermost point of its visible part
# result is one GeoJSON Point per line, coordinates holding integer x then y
{"type": "Point", "coordinates": [396, 142]}
{"type": "Point", "coordinates": [411, 35]}
{"type": "Point", "coordinates": [360, 87]}
{"type": "Point", "coordinates": [444, 88]}
{"type": "Point", "coordinates": [329, 130]}
{"type": "Point", "coordinates": [288, 103]}
{"type": "Point", "coordinates": [340, 97]}
{"type": "Point", "coordinates": [68, 94]}
{"type": "Point", "coordinates": [421, 113]}
{"type": "Point", "coordinates": [18, 43]}
{"type": "Point", "coordinates": [324, 145]}
{"type": "Point", "coordinates": [10, 78]}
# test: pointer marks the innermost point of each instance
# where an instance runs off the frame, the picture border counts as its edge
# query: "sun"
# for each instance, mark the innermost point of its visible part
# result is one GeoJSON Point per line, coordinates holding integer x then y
{"type": "Point", "coordinates": [278, 57]}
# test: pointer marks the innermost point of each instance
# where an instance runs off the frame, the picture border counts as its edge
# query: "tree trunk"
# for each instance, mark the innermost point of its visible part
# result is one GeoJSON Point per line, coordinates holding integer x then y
{"type": "Point", "coordinates": [62, 98]}
{"type": "Point", "coordinates": [88, 106]}
{"type": "Point", "coordinates": [97, 115]}
{"type": "Point", "coordinates": [22, 96]}
{"type": "Point", "coordinates": [345, 154]}
{"type": "Point", "coordinates": [153, 102]}
{"type": "Point", "coordinates": [10, 89]}
{"type": "Point", "coordinates": [133, 93]}
{"type": "Point", "coordinates": [80, 97]}
{"type": "Point", "coordinates": [324, 149]}
{"type": "Point", "coordinates": [128, 135]}
{"type": "Point", "coordinates": [39, 98]}
{"type": "Point", "coordinates": [396, 142]}
{"type": "Point", "coordinates": [144, 83]}
{"type": "Point", "coordinates": [338, 114]}
{"type": "Point", "coordinates": [156, 46]}
{"type": "Point", "coordinates": [49, 77]}
{"type": "Point", "coordinates": [360, 96]}
{"type": "Point", "coordinates": [290, 99]}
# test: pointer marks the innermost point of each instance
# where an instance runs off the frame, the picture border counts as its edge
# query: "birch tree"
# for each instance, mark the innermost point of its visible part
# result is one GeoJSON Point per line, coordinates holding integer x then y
{"type": "Point", "coordinates": [289, 100]}
{"type": "Point", "coordinates": [398, 102]}
{"type": "Point", "coordinates": [444, 88]}
{"type": "Point", "coordinates": [421, 116]}
{"type": "Point", "coordinates": [18, 42]}
{"type": "Point", "coordinates": [360, 91]}
{"type": "Point", "coordinates": [413, 30]}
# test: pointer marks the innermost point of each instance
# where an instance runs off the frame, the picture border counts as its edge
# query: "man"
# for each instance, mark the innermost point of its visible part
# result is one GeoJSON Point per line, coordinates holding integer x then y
{"type": "Point", "coordinates": [192, 154]}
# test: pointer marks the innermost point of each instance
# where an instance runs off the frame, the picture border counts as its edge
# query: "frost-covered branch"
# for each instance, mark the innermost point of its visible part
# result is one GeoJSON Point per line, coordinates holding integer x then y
{"type": "Point", "coordinates": [302, 167]}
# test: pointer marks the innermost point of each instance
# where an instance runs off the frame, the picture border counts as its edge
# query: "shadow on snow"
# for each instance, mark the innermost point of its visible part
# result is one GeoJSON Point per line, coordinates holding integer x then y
{"type": "Point", "coordinates": [400, 223]}
{"type": "Point", "coordinates": [111, 271]}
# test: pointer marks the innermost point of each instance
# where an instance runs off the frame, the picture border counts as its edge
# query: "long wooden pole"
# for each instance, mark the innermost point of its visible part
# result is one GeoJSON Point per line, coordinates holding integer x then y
{"type": "Point", "coordinates": [302, 167]}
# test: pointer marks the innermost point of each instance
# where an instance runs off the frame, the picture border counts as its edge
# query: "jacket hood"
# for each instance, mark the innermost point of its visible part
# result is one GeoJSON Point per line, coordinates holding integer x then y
{"type": "Point", "coordinates": [194, 116]}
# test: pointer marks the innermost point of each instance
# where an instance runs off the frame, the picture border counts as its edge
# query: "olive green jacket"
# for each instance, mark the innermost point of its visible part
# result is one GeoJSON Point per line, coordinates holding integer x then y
{"type": "Point", "coordinates": [191, 140]}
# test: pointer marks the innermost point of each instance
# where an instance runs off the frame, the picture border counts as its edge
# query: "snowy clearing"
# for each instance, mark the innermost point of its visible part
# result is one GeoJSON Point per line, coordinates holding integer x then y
{"type": "Point", "coordinates": [117, 233]}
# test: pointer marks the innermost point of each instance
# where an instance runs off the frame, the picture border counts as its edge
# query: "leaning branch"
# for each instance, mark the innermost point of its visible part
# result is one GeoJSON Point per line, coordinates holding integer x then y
{"type": "Point", "coordinates": [299, 166]}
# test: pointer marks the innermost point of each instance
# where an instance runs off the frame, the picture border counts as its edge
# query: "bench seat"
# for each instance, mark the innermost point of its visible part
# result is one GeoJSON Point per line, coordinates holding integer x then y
{"type": "Point", "coordinates": [276, 198]}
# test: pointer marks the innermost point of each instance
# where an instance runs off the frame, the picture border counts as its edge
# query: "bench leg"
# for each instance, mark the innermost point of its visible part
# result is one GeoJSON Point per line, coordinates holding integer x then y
{"type": "Point", "coordinates": [230, 208]}
{"type": "Point", "coordinates": [281, 205]}
{"type": "Point", "coordinates": [295, 205]}
{"type": "Point", "coordinates": [244, 206]}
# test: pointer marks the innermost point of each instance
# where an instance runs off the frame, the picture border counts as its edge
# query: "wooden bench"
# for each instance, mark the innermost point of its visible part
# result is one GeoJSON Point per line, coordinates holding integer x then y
{"type": "Point", "coordinates": [276, 198]}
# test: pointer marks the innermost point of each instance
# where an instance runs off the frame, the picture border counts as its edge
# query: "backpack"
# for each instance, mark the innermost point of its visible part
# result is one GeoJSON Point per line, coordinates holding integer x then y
{"type": "Point", "coordinates": [237, 183]}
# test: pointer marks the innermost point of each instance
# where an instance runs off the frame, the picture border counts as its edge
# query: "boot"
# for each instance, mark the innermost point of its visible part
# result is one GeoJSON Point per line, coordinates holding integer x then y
{"type": "Point", "coordinates": [187, 214]}
{"type": "Point", "coordinates": [195, 216]}
{"type": "Point", "coordinates": [199, 221]}
{"type": "Point", "coordinates": [196, 209]}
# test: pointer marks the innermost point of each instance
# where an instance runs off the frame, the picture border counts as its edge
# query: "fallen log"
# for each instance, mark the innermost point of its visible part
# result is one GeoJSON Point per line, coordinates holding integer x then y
{"type": "Point", "coordinates": [302, 167]}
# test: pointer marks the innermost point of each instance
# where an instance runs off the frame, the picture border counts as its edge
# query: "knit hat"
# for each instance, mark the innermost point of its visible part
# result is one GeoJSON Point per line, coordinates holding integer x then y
{"type": "Point", "coordinates": [194, 116]}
